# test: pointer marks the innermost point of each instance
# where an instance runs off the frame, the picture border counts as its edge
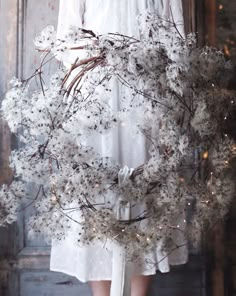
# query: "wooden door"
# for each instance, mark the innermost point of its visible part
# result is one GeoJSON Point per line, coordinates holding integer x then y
{"type": "Point", "coordinates": [24, 262]}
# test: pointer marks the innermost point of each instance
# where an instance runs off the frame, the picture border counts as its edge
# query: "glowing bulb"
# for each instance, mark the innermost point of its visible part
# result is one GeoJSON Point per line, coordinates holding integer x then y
{"type": "Point", "coordinates": [189, 204]}
{"type": "Point", "coordinates": [184, 221]}
{"type": "Point", "coordinates": [233, 148]}
{"type": "Point", "coordinates": [178, 226]}
{"type": "Point", "coordinates": [97, 185]}
{"type": "Point", "coordinates": [213, 193]}
{"type": "Point", "coordinates": [137, 235]}
{"type": "Point", "coordinates": [211, 173]}
{"type": "Point", "coordinates": [226, 135]}
{"type": "Point", "coordinates": [123, 230]}
{"type": "Point", "coordinates": [54, 199]}
{"type": "Point", "coordinates": [226, 162]}
{"type": "Point", "coordinates": [225, 117]}
{"type": "Point", "coordinates": [148, 239]}
{"type": "Point", "coordinates": [213, 84]}
{"type": "Point", "coordinates": [160, 227]}
{"type": "Point", "coordinates": [181, 180]}
{"type": "Point", "coordinates": [221, 6]}
{"type": "Point", "coordinates": [232, 102]}
{"type": "Point", "coordinates": [205, 155]}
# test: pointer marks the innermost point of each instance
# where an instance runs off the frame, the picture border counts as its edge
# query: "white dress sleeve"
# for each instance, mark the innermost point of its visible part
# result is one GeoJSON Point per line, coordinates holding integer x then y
{"type": "Point", "coordinates": [71, 14]}
{"type": "Point", "coordinates": [173, 10]}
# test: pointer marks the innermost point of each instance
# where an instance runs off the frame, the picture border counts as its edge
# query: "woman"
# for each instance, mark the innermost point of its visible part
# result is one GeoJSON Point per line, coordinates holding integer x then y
{"type": "Point", "coordinates": [94, 264]}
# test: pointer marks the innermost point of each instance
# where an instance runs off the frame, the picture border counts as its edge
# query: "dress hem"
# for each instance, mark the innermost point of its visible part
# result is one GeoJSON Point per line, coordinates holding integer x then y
{"type": "Point", "coordinates": [94, 279]}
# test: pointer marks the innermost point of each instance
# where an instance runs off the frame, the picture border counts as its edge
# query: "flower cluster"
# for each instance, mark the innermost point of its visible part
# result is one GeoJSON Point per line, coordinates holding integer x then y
{"type": "Point", "coordinates": [173, 92]}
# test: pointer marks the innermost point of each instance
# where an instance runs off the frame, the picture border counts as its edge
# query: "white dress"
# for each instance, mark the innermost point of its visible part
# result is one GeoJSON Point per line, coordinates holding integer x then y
{"type": "Point", "coordinates": [94, 262]}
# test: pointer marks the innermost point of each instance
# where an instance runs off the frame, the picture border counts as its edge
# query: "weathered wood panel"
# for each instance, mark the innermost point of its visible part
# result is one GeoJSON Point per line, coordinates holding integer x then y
{"type": "Point", "coordinates": [26, 273]}
{"type": "Point", "coordinates": [44, 283]}
{"type": "Point", "coordinates": [8, 69]}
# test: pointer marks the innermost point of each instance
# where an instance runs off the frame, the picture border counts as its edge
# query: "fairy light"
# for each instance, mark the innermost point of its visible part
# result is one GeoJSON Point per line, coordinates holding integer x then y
{"type": "Point", "coordinates": [184, 221]}
{"type": "Point", "coordinates": [178, 226]}
{"type": "Point", "coordinates": [233, 149]}
{"type": "Point", "coordinates": [226, 162]}
{"type": "Point", "coordinates": [226, 50]}
{"type": "Point", "coordinates": [232, 102]}
{"type": "Point", "coordinates": [225, 117]}
{"type": "Point", "coordinates": [181, 180]}
{"type": "Point", "coordinates": [148, 239]}
{"type": "Point", "coordinates": [189, 204]}
{"type": "Point", "coordinates": [211, 180]}
{"type": "Point", "coordinates": [221, 6]}
{"type": "Point", "coordinates": [205, 155]}
{"type": "Point", "coordinates": [54, 199]}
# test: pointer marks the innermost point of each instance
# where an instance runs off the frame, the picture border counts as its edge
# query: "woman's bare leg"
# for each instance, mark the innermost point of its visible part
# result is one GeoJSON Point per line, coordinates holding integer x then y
{"type": "Point", "coordinates": [140, 285]}
{"type": "Point", "coordinates": [100, 288]}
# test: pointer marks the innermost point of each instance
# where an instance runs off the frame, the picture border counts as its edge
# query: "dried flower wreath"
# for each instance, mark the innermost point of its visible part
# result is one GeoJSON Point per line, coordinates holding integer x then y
{"type": "Point", "coordinates": [179, 94]}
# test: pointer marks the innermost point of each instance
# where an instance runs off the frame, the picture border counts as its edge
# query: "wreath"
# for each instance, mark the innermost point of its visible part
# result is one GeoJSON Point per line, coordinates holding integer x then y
{"type": "Point", "coordinates": [182, 107]}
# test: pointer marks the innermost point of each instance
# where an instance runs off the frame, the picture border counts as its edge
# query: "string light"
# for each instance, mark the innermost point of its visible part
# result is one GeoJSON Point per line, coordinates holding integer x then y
{"type": "Point", "coordinates": [221, 6]}
{"type": "Point", "coordinates": [226, 50]}
{"type": "Point", "coordinates": [205, 155]}
{"type": "Point", "coordinates": [233, 148]}
{"type": "Point", "coordinates": [54, 199]}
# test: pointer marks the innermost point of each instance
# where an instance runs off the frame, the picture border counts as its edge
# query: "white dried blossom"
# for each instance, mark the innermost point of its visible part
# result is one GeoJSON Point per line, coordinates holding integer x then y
{"type": "Point", "coordinates": [169, 90]}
